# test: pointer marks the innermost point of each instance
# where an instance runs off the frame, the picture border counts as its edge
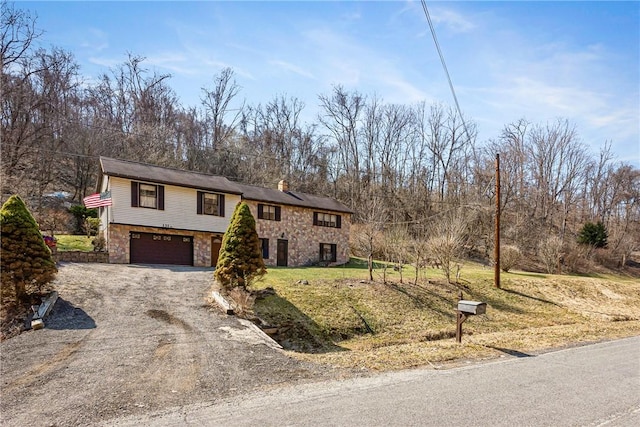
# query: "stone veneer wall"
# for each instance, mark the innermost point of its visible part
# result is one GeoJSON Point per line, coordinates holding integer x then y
{"type": "Point", "coordinates": [303, 237]}
{"type": "Point", "coordinates": [119, 248]}
{"type": "Point", "coordinates": [80, 256]}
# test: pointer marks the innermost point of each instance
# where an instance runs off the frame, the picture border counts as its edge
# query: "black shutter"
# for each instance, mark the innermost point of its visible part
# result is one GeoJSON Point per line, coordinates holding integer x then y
{"type": "Point", "coordinates": [221, 200]}
{"type": "Point", "coordinates": [134, 194]}
{"type": "Point", "coordinates": [200, 197]}
{"type": "Point", "coordinates": [260, 211]}
{"type": "Point", "coordinates": [339, 221]}
{"type": "Point", "coordinates": [320, 258]}
{"type": "Point", "coordinates": [160, 190]}
{"type": "Point", "coordinates": [277, 213]}
{"type": "Point", "coordinates": [315, 218]}
{"type": "Point", "coordinates": [334, 252]}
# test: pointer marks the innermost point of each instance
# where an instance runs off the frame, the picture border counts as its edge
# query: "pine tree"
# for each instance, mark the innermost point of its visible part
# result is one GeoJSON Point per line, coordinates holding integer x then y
{"type": "Point", "coordinates": [593, 234]}
{"type": "Point", "coordinates": [240, 261]}
{"type": "Point", "coordinates": [26, 260]}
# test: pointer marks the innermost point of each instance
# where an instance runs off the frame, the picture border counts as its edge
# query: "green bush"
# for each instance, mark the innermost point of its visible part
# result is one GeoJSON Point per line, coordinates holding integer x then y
{"type": "Point", "coordinates": [27, 264]}
{"type": "Point", "coordinates": [593, 234]}
{"type": "Point", "coordinates": [240, 261]}
{"type": "Point", "coordinates": [81, 213]}
{"type": "Point", "coordinates": [92, 226]}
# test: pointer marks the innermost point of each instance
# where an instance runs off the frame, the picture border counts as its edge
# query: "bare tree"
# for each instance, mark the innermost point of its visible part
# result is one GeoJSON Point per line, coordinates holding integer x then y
{"type": "Point", "coordinates": [549, 253]}
{"type": "Point", "coordinates": [17, 33]}
{"type": "Point", "coordinates": [341, 116]}
{"type": "Point", "coordinates": [397, 246]}
{"type": "Point", "coordinates": [222, 119]}
{"type": "Point", "coordinates": [448, 236]}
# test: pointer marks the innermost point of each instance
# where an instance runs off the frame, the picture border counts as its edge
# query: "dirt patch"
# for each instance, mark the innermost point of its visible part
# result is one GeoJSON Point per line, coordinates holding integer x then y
{"type": "Point", "coordinates": [168, 318]}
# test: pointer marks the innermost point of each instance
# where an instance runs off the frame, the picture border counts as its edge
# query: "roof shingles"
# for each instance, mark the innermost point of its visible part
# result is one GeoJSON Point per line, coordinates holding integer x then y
{"type": "Point", "coordinates": [162, 175]}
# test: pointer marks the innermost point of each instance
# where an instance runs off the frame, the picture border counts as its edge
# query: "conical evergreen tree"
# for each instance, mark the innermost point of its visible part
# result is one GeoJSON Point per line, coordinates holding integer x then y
{"type": "Point", "coordinates": [593, 234]}
{"type": "Point", "coordinates": [25, 258]}
{"type": "Point", "coordinates": [240, 261]}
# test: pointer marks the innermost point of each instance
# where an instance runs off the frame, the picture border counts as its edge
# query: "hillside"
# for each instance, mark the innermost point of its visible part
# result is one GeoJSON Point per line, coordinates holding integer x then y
{"type": "Point", "coordinates": [340, 318]}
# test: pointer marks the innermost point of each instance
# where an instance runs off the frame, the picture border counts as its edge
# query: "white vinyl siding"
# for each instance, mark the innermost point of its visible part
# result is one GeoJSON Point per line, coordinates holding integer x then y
{"type": "Point", "coordinates": [180, 209]}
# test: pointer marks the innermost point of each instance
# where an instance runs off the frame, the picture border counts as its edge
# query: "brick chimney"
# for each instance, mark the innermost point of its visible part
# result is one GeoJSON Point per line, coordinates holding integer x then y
{"type": "Point", "coordinates": [283, 186]}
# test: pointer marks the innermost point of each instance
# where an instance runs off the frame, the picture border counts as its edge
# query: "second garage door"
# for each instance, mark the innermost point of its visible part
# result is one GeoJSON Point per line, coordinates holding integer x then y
{"type": "Point", "coordinates": [150, 248]}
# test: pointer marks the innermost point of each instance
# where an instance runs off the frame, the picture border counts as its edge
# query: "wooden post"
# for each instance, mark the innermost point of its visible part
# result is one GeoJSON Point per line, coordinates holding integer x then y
{"type": "Point", "coordinates": [496, 250]}
{"type": "Point", "coordinates": [459, 320]}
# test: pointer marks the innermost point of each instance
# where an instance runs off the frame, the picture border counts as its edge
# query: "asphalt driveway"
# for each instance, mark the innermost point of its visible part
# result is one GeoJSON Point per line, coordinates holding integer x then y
{"type": "Point", "coordinates": [126, 340]}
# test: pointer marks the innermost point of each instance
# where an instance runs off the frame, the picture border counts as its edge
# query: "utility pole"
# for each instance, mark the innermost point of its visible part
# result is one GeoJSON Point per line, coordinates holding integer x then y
{"type": "Point", "coordinates": [496, 250]}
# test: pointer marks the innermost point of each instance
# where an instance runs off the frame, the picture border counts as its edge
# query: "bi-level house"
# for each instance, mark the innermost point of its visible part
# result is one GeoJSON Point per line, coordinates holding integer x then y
{"type": "Point", "coordinates": [167, 216]}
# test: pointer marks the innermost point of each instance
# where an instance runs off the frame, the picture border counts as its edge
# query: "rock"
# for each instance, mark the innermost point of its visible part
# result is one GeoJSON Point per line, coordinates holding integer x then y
{"type": "Point", "coordinates": [37, 324]}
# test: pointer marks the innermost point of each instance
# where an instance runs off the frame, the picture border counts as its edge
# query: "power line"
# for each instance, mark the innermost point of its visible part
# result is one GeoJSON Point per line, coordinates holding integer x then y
{"type": "Point", "coordinates": [444, 66]}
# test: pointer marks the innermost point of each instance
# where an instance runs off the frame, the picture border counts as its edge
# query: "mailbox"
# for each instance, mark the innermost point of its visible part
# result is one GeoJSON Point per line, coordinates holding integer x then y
{"type": "Point", "coordinates": [472, 307]}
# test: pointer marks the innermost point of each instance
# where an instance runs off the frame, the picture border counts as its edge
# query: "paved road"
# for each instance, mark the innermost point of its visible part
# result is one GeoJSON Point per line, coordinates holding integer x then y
{"type": "Point", "coordinates": [594, 385]}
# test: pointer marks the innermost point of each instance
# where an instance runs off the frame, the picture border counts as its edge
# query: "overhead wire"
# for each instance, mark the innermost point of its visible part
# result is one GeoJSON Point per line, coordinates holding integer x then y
{"type": "Point", "coordinates": [444, 66]}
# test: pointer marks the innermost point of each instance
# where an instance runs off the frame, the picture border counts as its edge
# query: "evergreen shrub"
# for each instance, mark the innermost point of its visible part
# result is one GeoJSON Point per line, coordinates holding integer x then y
{"type": "Point", "coordinates": [240, 261]}
{"type": "Point", "coordinates": [27, 264]}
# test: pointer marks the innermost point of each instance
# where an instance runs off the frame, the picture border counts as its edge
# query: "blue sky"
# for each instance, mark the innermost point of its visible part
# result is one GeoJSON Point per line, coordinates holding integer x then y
{"type": "Point", "coordinates": [507, 59]}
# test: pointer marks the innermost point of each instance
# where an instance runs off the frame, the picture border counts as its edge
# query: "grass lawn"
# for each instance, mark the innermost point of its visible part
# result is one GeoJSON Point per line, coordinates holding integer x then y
{"type": "Point", "coordinates": [69, 242]}
{"type": "Point", "coordinates": [341, 318]}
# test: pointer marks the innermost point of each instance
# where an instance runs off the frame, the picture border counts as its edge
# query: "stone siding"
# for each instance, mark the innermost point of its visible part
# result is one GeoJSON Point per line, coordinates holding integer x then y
{"type": "Point", "coordinates": [304, 238]}
{"type": "Point", "coordinates": [296, 227]}
{"type": "Point", "coordinates": [119, 247]}
{"type": "Point", "coordinates": [80, 256]}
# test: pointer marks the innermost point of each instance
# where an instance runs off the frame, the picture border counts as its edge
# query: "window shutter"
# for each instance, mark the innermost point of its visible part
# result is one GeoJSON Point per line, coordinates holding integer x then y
{"type": "Point", "coordinates": [334, 252]}
{"type": "Point", "coordinates": [339, 221]}
{"type": "Point", "coordinates": [200, 197]}
{"type": "Point", "coordinates": [160, 190]}
{"type": "Point", "coordinates": [315, 218]}
{"type": "Point", "coordinates": [260, 211]}
{"type": "Point", "coordinates": [277, 213]}
{"type": "Point", "coordinates": [221, 200]}
{"type": "Point", "coordinates": [134, 194]}
{"type": "Point", "coordinates": [321, 254]}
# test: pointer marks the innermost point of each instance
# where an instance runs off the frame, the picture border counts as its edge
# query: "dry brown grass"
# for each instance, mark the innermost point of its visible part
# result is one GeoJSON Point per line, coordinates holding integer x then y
{"type": "Point", "coordinates": [414, 325]}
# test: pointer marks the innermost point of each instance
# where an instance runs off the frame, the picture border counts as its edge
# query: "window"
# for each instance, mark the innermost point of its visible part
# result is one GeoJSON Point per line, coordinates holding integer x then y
{"type": "Point", "coordinates": [210, 204]}
{"type": "Point", "coordinates": [327, 220]}
{"type": "Point", "coordinates": [147, 195]}
{"type": "Point", "coordinates": [268, 212]}
{"type": "Point", "coordinates": [328, 252]}
{"type": "Point", "coordinates": [265, 248]}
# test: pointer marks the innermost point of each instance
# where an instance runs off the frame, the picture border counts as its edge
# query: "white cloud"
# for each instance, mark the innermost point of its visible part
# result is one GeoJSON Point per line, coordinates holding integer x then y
{"type": "Point", "coordinates": [105, 62]}
{"type": "Point", "coordinates": [452, 20]}
{"type": "Point", "coordinates": [292, 68]}
{"type": "Point", "coordinates": [96, 40]}
{"type": "Point", "coordinates": [175, 62]}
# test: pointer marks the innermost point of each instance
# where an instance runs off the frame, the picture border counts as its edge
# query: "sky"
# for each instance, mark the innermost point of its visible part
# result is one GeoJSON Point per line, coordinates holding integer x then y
{"type": "Point", "coordinates": [537, 60]}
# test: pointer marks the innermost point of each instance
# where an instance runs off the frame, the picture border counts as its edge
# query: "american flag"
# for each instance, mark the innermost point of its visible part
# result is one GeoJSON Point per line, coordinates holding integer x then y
{"type": "Point", "coordinates": [97, 200]}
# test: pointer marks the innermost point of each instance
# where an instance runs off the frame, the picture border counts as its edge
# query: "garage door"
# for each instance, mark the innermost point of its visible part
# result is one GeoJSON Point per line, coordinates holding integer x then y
{"type": "Point", "coordinates": [149, 248]}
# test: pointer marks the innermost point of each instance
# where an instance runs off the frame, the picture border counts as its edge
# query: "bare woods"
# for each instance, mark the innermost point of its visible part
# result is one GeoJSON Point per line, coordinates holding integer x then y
{"type": "Point", "coordinates": [410, 172]}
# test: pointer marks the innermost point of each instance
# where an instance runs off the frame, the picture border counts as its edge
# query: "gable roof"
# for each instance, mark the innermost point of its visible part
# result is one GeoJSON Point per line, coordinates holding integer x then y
{"type": "Point", "coordinates": [292, 198]}
{"type": "Point", "coordinates": [161, 175]}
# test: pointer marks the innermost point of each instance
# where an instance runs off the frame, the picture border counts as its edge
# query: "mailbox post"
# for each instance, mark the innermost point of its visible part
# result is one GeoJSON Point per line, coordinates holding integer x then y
{"type": "Point", "coordinates": [464, 310]}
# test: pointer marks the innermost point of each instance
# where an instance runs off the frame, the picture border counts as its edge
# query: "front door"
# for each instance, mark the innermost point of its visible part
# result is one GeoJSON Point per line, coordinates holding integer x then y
{"type": "Point", "coordinates": [282, 255]}
{"type": "Point", "coordinates": [216, 244]}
